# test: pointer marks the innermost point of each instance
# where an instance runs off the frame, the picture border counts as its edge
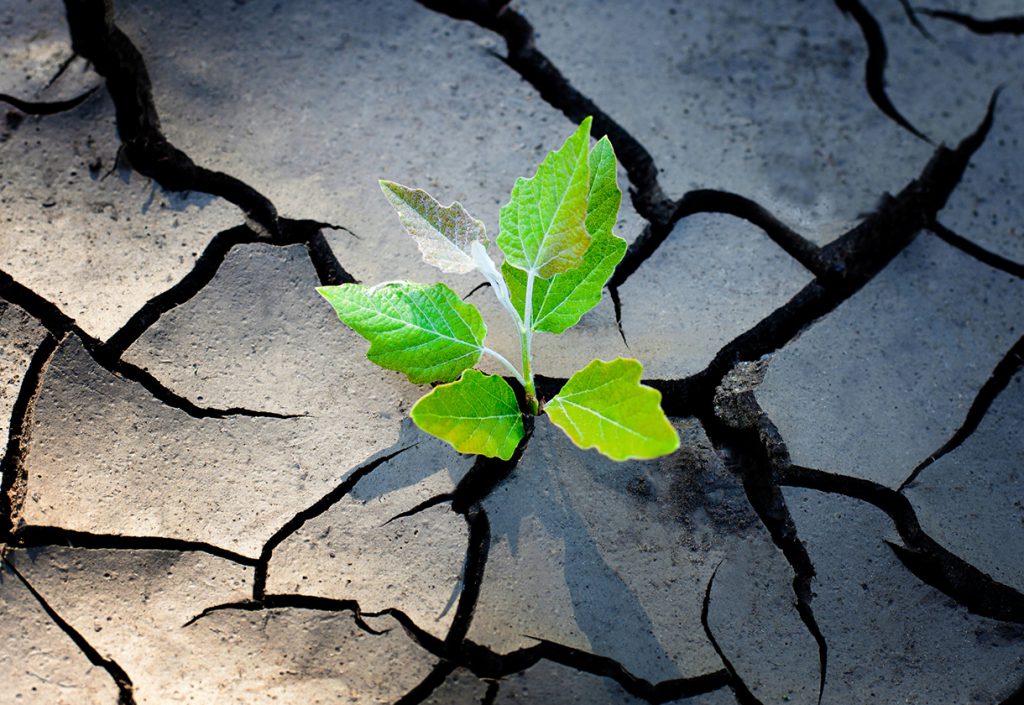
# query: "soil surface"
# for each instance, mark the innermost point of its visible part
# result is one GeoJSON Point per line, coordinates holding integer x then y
{"type": "Point", "coordinates": [210, 495]}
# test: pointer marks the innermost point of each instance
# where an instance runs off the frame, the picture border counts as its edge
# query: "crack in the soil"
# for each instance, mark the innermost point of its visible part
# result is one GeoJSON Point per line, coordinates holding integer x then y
{"type": "Point", "coordinates": [36, 536]}
{"type": "Point", "coordinates": [874, 67]}
{"type": "Point", "coordinates": [716, 201]}
{"type": "Point", "coordinates": [60, 325]}
{"type": "Point", "coordinates": [1009, 366]}
{"type": "Point", "coordinates": [739, 688]}
{"type": "Point", "coordinates": [976, 251]}
{"type": "Point", "coordinates": [425, 688]}
{"type": "Point", "coordinates": [305, 602]}
{"type": "Point", "coordinates": [483, 662]}
{"type": "Point", "coordinates": [914, 20]}
{"type": "Point", "coordinates": [259, 587]}
{"type": "Point", "coordinates": [922, 555]}
{"type": "Point", "coordinates": [537, 70]}
{"type": "Point", "coordinates": [126, 695]}
{"type": "Point", "coordinates": [305, 232]}
{"type": "Point", "coordinates": [850, 262]}
{"type": "Point", "coordinates": [488, 664]}
{"type": "Point", "coordinates": [97, 38]}
{"type": "Point", "coordinates": [646, 193]}
{"type": "Point", "coordinates": [743, 434]}
{"type": "Point", "coordinates": [493, 688]}
{"type": "Point", "coordinates": [1013, 24]}
{"type": "Point", "coordinates": [46, 107]}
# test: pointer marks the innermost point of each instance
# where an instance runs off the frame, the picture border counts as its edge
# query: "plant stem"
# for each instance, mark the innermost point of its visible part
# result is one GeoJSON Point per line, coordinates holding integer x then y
{"type": "Point", "coordinates": [526, 345]}
{"type": "Point", "coordinates": [503, 360]}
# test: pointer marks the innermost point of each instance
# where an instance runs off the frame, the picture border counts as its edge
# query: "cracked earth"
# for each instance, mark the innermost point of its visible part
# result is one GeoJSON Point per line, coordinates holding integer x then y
{"type": "Point", "coordinates": [209, 494]}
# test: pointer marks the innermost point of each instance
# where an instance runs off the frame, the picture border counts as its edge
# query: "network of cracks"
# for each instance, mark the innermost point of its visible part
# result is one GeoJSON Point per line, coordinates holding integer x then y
{"type": "Point", "coordinates": [707, 577]}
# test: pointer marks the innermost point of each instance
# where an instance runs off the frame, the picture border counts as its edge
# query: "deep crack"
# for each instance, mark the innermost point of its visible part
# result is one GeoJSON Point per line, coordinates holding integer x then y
{"type": "Point", "coordinates": [874, 67]}
{"type": "Point", "coordinates": [126, 694]}
{"type": "Point", "coordinates": [259, 587]}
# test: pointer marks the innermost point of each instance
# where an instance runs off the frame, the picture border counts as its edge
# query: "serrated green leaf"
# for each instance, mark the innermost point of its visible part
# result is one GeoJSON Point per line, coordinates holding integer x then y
{"type": "Point", "coordinates": [444, 235]}
{"type": "Point", "coordinates": [559, 302]}
{"type": "Point", "coordinates": [604, 406]}
{"type": "Point", "coordinates": [543, 226]}
{"type": "Point", "coordinates": [478, 414]}
{"type": "Point", "coordinates": [427, 332]}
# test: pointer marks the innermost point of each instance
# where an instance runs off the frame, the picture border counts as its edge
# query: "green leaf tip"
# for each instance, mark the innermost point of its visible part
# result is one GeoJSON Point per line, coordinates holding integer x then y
{"type": "Point", "coordinates": [477, 414]}
{"type": "Point", "coordinates": [604, 406]}
{"type": "Point", "coordinates": [560, 302]}
{"type": "Point", "coordinates": [443, 234]}
{"type": "Point", "coordinates": [543, 227]}
{"type": "Point", "coordinates": [424, 331]}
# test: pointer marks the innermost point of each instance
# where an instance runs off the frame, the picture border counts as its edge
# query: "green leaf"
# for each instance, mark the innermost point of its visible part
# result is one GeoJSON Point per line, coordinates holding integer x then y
{"type": "Point", "coordinates": [604, 406]}
{"type": "Point", "coordinates": [427, 332]}
{"type": "Point", "coordinates": [478, 414]}
{"type": "Point", "coordinates": [543, 227]}
{"type": "Point", "coordinates": [444, 235]}
{"type": "Point", "coordinates": [559, 302]}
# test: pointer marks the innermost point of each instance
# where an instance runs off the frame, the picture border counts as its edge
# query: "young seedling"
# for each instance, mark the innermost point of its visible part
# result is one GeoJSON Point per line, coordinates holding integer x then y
{"type": "Point", "coordinates": [556, 235]}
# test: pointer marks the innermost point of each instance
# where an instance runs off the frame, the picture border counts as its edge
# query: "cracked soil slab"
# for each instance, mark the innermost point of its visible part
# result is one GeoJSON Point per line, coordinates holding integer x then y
{"type": "Point", "coordinates": [49, 668]}
{"type": "Point", "coordinates": [970, 500]}
{"type": "Point", "coordinates": [610, 558]}
{"type": "Point", "coordinates": [132, 606]}
{"type": "Point", "coordinates": [720, 94]}
{"type": "Point", "coordinates": [882, 382]}
{"type": "Point", "coordinates": [724, 275]}
{"type": "Point", "coordinates": [887, 631]}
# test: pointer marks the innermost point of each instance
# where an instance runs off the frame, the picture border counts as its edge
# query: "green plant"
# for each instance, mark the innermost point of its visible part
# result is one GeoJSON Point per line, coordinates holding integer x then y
{"type": "Point", "coordinates": [556, 235]}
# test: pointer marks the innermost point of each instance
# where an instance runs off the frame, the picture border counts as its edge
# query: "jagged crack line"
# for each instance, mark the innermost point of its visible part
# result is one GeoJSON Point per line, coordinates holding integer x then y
{"type": "Point", "coordinates": [914, 20]}
{"type": "Point", "coordinates": [306, 232]}
{"type": "Point", "coordinates": [922, 555]}
{"type": "Point", "coordinates": [64, 66]}
{"type": "Point", "coordinates": [976, 251]}
{"type": "Point", "coordinates": [485, 663]}
{"type": "Point", "coordinates": [47, 108]}
{"type": "Point", "coordinates": [851, 262]}
{"type": "Point", "coordinates": [328, 269]}
{"type": "Point", "coordinates": [49, 314]}
{"type": "Point", "coordinates": [125, 689]}
{"type": "Point", "coordinates": [310, 512]}
{"type": "Point", "coordinates": [1009, 366]}
{"type": "Point", "coordinates": [613, 293]}
{"type": "Point", "coordinates": [201, 274]}
{"type": "Point", "coordinates": [765, 497]}
{"type": "Point", "coordinates": [536, 69]}
{"type": "Point", "coordinates": [59, 325]}
{"type": "Point", "coordinates": [426, 687]}
{"type": "Point", "coordinates": [874, 67]}
{"type": "Point", "coordinates": [739, 688]}
{"type": "Point", "coordinates": [305, 602]}
{"type": "Point", "coordinates": [650, 239]}
{"type": "Point", "coordinates": [493, 688]}
{"type": "Point", "coordinates": [12, 467]}
{"type": "Point", "coordinates": [422, 506]}
{"type": "Point", "coordinates": [1013, 24]}
{"type": "Point", "coordinates": [478, 549]}
{"type": "Point", "coordinates": [605, 667]}
{"type": "Point", "coordinates": [97, 38]}
{"type": "Point", "coordinates": [37, 536]}
{"type": "Point", "coordinates": [174, 400]}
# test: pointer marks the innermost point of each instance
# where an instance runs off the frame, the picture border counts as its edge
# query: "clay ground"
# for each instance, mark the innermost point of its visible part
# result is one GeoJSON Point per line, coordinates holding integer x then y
{"type": "Point", "coordinates": [211, 496]}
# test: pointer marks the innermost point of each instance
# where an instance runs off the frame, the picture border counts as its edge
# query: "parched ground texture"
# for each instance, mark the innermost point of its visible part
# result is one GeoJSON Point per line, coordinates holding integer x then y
{"type": "Point", "coordinates": [209, 495]}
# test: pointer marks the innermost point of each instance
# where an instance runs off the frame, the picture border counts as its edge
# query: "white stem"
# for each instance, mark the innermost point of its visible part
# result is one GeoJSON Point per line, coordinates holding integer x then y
{"type": "Point", "coordinates": [503, 360]}
{"type": "Point", "coordinates": [490, 271]}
